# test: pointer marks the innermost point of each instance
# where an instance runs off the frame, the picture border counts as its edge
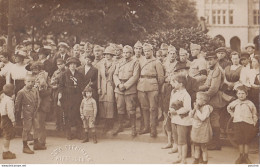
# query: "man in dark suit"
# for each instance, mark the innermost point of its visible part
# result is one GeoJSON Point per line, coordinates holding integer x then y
{"type": "Point", "coordinates": [63, 49]}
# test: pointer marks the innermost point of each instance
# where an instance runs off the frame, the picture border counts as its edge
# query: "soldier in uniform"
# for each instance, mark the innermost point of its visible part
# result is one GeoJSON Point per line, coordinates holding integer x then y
{"type": "Point", "coordinates": [149, 84]}
{"type": "Point", "coordinates": [138, 49]}
{"type": "Point", "coordinates": [183, 57]}
{"type": "Point", "coordinates": [125, 78]}
{"type": "Point", "coordinates": [119, 51]}
{"type": "Point", "coordinates": [98, 53]}
{"type": "Point", "coordinates": [76, 51]}
{"type": "Point", "coordinates": [211, 87]}
{"type": "Point", "coordinates": [169, 67]}
{"type": "Point", "coordinates": [70, 96]}
{"type": "Point", "coordinates": [164, 49]}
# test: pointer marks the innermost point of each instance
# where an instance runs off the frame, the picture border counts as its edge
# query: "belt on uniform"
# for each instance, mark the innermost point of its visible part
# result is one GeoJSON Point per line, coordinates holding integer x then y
{"type": "Point", "coordinates": [148, 76]}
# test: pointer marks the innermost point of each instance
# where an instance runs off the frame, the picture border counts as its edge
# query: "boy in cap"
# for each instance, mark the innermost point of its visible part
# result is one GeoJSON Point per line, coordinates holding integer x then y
{"type": "Point", "coordinates": [245, 62]}
{"type": "Point", "coordinates": [7, 119]}
{"type": "Point", "coordinates": [88, 113]}
{"type": "Point", "coordinates": [55, 79]}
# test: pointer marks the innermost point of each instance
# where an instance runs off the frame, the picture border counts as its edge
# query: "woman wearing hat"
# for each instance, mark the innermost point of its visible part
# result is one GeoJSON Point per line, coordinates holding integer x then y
{"type": "Point", "coordinates": [106, 88]}
{"type": "Point", "coordinates": [70, 89]}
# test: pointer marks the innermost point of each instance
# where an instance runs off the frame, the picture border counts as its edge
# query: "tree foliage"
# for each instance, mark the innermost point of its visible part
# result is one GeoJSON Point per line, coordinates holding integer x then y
{"type": "Point", "coordinates": [182, 38]}
{"type": "Point", "coordinates": [100, 21]}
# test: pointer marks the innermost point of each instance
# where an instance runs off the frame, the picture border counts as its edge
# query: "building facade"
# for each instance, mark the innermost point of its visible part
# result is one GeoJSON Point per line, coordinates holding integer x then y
{"type": "Point", "coordinates": [235, 22]}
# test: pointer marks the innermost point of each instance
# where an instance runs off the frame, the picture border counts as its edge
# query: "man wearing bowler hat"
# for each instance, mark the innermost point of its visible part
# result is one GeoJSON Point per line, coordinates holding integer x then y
{"type": "Point", "coordinates": [250, 49]}
{"type": "Point", "coordinates": [149, 84]}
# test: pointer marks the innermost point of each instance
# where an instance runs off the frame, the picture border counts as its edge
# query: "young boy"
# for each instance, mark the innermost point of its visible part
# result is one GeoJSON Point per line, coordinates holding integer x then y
{"type": "Point", "coordinates": [27, 102]}
{"type": "Point", "coordinates": [88, 112]}
{"type": "Point", "coordinates": [245, 118]}
{"type": "Point", "coordinates": [8, 119]}
{"type": "Point", "coordinates": [54, 84]}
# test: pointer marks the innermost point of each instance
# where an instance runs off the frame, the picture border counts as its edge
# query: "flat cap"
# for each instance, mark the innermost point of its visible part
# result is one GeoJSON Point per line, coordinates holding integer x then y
{"type": "Point", "coordinates": [63, 44]}
{"type": "Point", "coordinates": [250, 45]}
{"type": "Point", "coordinates": [221, 49]}
{"type": "Point", "coordinates": [211, 55]}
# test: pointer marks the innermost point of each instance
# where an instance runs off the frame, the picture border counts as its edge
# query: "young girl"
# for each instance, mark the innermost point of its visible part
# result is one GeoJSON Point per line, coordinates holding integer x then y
{"type": "Point", "coordinates": [245, 118]}
{"type": "Point", "coordinates": [88, 113]}
{"type": "Point", "coordinates": [201, 132]}
{"type": "Point", "coordinates": [180, 106]}
{"type": "Point", "coordinates": [8, 119]}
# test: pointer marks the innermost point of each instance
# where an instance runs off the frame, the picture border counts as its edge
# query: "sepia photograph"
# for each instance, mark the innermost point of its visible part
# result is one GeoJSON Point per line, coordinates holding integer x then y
{"type": "Point", "coordinates": [136, 82]}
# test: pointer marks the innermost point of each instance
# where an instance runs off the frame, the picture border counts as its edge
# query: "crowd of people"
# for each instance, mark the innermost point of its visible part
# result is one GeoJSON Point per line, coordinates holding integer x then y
{"type": "Point", "coordinates": [85, 85]}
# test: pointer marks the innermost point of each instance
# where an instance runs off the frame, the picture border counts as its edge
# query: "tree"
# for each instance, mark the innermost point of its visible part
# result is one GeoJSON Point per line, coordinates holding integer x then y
{"type": "Point", "coordinates": [182, 38]}
{"type": "Point", "coordinates": [119, 21]}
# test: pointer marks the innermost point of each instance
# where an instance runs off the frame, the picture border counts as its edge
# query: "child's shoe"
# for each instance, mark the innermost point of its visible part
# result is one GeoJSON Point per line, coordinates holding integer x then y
{"type": "Point", "coordinates": [204, 162]}
{"type": "Point", "coordinates": [9, 155]}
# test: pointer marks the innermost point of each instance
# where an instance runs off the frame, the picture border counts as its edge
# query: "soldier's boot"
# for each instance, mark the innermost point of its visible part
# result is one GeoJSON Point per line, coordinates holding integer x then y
{"type": "Point", "coordinates": [141, 125]}
{"type": "Point", "coordinates": [26, 148]}
{"type": "Point", "coordinates": [133, 123]}
{"type": "Point", "coordinates": [38, 146]}
{"type": "Point", "coordinates": [119, 128]}
{"type": "Point", "coordinates": [216, 145]}
{"type": "Point", "coordinates": [94, 137]}
{"type": "Point", "coordinates": [86, 138]}
{"type": "Point", "coordinates": [127, 122]}
{"type": "Point", "coordinates": [146, 116]}
{"type": "Point", "coordinates": [68, 134]}
{"type": "Point", "coordinates": [153, 131]}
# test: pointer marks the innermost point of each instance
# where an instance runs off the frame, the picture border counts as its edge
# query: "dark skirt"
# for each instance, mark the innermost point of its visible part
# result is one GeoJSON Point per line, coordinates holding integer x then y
{"type": "Point", "coordinates": [7, 126]}
{"type": "Point", "coordinates": [244, 132]}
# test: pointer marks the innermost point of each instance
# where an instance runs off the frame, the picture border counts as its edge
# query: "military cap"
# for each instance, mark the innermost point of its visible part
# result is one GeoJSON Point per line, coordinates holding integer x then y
{"type": "Point", "coordinates": [183, 51]}
{"type": "Point", "coordinates": [171, 48]}
{"type": "Point", "coordinates": [211, 55]}
{"type": "Point", "coordinates": [20, 53]}
{"type": "Point", "coordinates": [202, 95]}
{"type": "Point", "coordinates": [138, 44]}
{"type": "Point", "coordinates": [180, 66]}
{"type": "Point", "coordinates": [8, 89]}
{"type": "Point", "coordinates": [164, 46]}
{"type": "Point", "coordinates": [147, 46]}
{"type": "Point", "coordinates": [97, 47]}
{"type": "Point", "coordinates": [194, 46]}
{"type": "Point", "coordinates": [88, 46]}
{"type": "Point", "coordinates": [250, 45]}
{"type": "Point", "coordinates": [60, 61]}
{"type": "Point", "coordinates": [128, 48]}
{"type": "Point", "coordinates": [110, 50]}
{"type": "Point", "coordinates": [119, 47]}
{"type": "Point", "coordinates": [63, 44]}
{"type": "Point", "coordinates": [72, 60]}
{"type": "Point", "coordinates": [76, 47]}
{"type": "Point", "coordinates": [244, 55]}
{"type": "Point", "coordinates": [221, 49]}
{"type": "Point", "coordinates": [82, 43]}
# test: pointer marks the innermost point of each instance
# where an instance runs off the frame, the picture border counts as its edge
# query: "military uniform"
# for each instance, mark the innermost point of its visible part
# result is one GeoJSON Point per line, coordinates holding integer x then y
{"type": "Point", "coordinates": [127, 73]}
{"type": "Point", "coordinates": [149, 84]}
{"type": "Point", "coordinates": [211, 87]}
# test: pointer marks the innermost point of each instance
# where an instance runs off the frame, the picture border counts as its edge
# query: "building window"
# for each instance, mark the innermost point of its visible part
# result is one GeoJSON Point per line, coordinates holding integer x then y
{"type": "Point", "coordinates": [207, 16]}
{"type": "Point", "coordinates": [256, 17]}
{"type": "Point", "coordinates": [219, 16]}
{"type": "Point", "coordinates": [230, 16]}
{"type": "Point", "coordinates": [214, 16]}
{"type": "Point", "coordinates": [224, 16]}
